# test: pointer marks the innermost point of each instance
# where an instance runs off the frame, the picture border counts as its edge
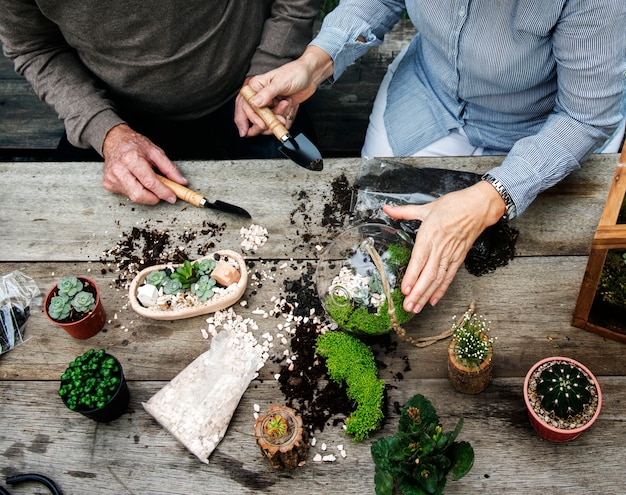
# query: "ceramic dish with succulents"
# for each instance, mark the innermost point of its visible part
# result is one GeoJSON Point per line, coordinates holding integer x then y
{"type": "Point", "coordinates": [206, 285]}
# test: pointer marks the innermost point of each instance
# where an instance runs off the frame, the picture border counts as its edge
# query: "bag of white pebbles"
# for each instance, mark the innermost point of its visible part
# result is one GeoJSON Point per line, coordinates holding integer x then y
{"type": "Point", "coordinates": [198, 404]}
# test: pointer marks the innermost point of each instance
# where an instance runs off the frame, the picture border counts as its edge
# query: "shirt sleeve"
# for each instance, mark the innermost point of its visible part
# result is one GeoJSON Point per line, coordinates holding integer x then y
{"type": "Point", "coordinates": [589, 46]}
{"type": "Point", "coordinates": [42, 56]}
{"type": "Point", "coordinates": [354, 27]}
{"type": "Point", "coordinates": [286, 34]}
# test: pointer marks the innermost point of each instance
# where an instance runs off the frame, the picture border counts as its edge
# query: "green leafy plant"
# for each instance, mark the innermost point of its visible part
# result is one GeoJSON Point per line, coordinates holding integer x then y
{"type": "Point", "coordinates": [70, 297]}
{"type": "Point", "coordinates": [418, 458]}
{"type": "Point", "coordinates": [472, 344]}
{"type": "Point", "coordinates": [90, 381]}
{"type": "Point", "coordinates": [351, 362]}
{"type": "Point", "coordinates": [564, 389]}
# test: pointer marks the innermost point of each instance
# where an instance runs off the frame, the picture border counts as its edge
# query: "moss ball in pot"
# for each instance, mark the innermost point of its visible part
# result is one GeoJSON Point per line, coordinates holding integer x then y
{"type": "Point", "coordinates": [358, 273]}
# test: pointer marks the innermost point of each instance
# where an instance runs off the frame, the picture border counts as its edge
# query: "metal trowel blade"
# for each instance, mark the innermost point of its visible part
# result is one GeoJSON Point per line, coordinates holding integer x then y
{"type": "Point", "coordinates": [303, 152]}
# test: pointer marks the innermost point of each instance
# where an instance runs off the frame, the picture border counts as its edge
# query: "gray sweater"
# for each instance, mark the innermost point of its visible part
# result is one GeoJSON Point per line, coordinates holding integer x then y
{"type": "Point", "coordinates": [171, 59]}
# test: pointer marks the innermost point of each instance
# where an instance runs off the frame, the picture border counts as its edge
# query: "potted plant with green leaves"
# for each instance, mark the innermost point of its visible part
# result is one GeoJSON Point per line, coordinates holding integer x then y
{"type": "Point", "coordinates": [74, 304]}
{"type": "Point", "coordinates": [282, 437]}
{"type": "Point", "coordinates": [418, 458]}
{"type": "Point", "coordinates": [470, 354]}
{"type": "Point", "coordinates": [191, 288]}
{"type": "Point", "coordinates": [94, 385]}
{"type": "Point", "coordinates": [563, 398]}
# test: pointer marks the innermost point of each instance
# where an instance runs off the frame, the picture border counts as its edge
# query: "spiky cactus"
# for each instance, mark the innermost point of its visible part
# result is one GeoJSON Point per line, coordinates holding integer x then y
{"type": "Point", "coordinates": [563, 389]}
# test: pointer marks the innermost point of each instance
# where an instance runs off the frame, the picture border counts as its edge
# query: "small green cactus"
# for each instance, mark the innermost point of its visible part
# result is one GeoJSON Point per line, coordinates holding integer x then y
{"type": "Point", "coordinates": [563, 389]}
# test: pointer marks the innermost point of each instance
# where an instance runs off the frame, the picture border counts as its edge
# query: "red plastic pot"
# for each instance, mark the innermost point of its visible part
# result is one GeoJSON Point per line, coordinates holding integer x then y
{"type": "Point", "coordinates": [550, 432]}
{"type": "Point", "coordinates": [87, 327]}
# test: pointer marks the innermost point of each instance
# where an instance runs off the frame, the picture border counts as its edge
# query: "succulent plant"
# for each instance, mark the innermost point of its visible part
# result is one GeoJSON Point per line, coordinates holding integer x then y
{"type": "Point", "coordinates": [203, 288]}
{"type": "Point", "coordinates": [276, 427]}
{"type": "Point", "coordinates": [188, 276]}
{"type": "Point", "coordinates": [563, 389]}
{"type": "Point", "coordinates": [70, 296]}
{"type": "Point", "coordinates": [90, 380]}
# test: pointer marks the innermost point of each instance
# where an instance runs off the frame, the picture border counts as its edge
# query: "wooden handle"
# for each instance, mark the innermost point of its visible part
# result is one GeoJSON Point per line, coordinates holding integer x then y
{"type": "Point", "coordinates": [278, 129]}
{"type": "Point", "coordinates": [183, 192]}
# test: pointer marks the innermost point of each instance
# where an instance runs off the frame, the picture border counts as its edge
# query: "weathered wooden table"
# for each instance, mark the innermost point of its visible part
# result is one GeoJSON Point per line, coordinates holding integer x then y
{"type": "Point", "coordinates": [56, 219]}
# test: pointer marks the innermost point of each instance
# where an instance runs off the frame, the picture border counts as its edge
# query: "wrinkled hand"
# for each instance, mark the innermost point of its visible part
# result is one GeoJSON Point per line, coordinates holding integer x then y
{"type": "Point", "coordinates": [129, 162]}
{"type": "Point", "coordinates": [282, 90]}
{"type": "Point", "coordinates": [450, 226]}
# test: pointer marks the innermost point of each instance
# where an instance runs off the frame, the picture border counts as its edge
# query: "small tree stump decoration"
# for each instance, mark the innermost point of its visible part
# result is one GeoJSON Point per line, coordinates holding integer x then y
{"type": "Point", "coordinates": [282, 437]}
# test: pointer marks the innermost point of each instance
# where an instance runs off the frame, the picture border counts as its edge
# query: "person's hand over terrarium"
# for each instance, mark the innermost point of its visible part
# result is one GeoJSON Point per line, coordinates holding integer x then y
{"type": "Point", "coordinates": [449, 227]}
{"type": "Point", "coordinates": [129, 162]}
{"type": "Point", "coordinates": [283, 88]}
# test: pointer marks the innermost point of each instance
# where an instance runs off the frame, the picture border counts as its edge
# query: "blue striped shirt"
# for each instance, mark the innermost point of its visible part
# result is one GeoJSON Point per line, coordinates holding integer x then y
{"type": "Point", "coordinates": [538, 80]}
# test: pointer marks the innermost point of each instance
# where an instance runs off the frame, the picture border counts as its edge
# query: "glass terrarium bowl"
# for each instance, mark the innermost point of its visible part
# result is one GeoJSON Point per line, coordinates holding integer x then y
{"type": "Point", "coordinates": [349, 282]}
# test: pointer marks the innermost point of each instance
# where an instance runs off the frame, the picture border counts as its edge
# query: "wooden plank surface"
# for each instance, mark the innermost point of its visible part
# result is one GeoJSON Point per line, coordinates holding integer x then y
{"type": "Point", "coordinates": [53, 196]}
{"type": "Point", "coordinates": [134, 455]}
{"type": "Point", "coordinates": [530, 303]}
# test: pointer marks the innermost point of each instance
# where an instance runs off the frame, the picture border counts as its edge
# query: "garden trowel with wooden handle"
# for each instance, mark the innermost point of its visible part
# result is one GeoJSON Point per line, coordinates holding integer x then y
{"type": "Point", "coordinates": [299, 148]}
{"type": "Point", "coordinates": [197, 199]}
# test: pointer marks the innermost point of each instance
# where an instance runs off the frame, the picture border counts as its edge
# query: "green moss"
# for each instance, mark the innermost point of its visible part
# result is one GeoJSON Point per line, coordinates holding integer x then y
{"type": "Point", "coordinates": [399, 256]}
{"type": "Point", "coordinates": [360, 321]}
{"type": "Point", "coordinates": [350, 361]}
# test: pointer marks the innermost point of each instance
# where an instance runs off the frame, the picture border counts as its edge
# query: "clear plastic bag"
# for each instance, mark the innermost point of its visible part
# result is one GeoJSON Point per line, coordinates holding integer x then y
{"type": "Point", "coordinates": [391, 182]}
{"type": "Point", "coordinates": [197, 405]}
{"type": "Point", "coordinates": [19, 294]}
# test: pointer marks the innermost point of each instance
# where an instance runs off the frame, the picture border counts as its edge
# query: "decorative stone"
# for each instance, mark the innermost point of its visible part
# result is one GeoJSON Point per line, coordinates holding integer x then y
{"type": "Point", "coordinates": [147, 295]}
{"type": "Point", "coordinates": [225, 274]}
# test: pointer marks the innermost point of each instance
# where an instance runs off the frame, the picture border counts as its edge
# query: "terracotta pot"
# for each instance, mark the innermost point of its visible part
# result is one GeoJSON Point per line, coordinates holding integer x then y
{"type": "Point", "coordinates": [115, 407]}
{"type": "Point", "coordinates": [546, 430]}
{"type": "Point", "coordinates": [468, 380]}
{"type": "Point", "coordinates": [88, 326]}
{"type": "Point", "coordinates": [291, 449]}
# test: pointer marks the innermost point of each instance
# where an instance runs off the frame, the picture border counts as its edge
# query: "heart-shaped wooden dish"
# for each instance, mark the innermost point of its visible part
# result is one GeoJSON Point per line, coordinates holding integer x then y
{"type": "Point", "coordinates": [223, 298]}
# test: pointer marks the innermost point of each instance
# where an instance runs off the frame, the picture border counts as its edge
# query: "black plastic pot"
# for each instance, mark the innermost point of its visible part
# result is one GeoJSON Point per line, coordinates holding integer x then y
{"type": "Point", "coordinates": [115, 407]}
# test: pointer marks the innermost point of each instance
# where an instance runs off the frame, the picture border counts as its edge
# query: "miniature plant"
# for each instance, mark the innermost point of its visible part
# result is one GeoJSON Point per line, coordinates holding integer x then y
{"type": "Point", "coordinates": [70, 297]}
{"type": "Point", "coordinates": [350, 361]}
{"type": "Point", "coordinates": [472, 342]}
{"type": "Point", "coordinates": [419, 457]}
{"type": "Point", "coordinates": [358, 303]}
{"type": "Point", "coordinates": [276, 427]}
{"type": "Point", "coordinates": [563, 389]}
{"type": "Point", "coordinates": [203, 288]}
{"type": "Point", "coordinates": [188, 276]}
{"type": "Point", "coordinates": [90, 381]}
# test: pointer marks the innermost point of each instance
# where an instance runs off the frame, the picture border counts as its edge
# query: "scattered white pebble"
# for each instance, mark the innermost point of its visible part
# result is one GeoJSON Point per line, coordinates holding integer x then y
{"type": "Point", "coordinates": [317, 458]}
{"type": "Point", "coordinates": [313, 441]}
{"type": "Point", "coordinates": [257, 408]}
{"type": "Point", "coordinates": [323, 446]}
{"type": "Point", "coordinates": [329, 458]}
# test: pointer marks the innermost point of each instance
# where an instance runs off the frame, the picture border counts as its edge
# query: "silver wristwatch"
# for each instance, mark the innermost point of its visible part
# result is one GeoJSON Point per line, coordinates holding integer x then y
{"type": "Point", "coordinates": [504, 194]}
